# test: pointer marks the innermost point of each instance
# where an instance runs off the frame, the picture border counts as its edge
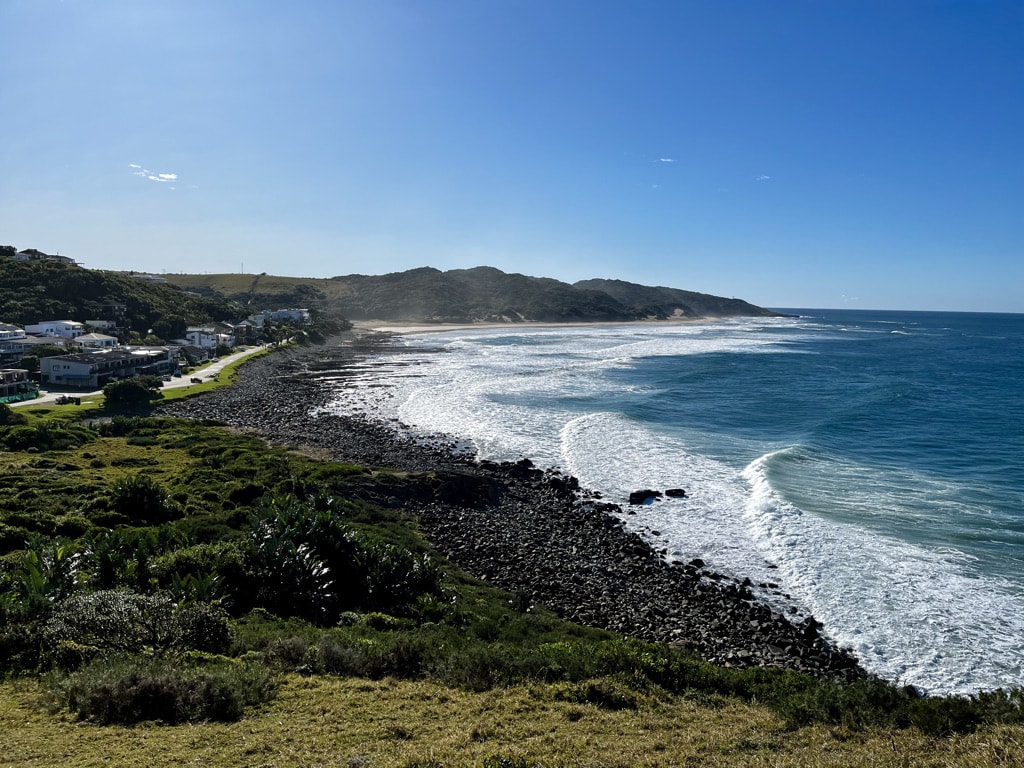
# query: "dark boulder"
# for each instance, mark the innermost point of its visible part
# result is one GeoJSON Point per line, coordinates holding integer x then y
{"type": "Point", "coordinates": [642, 497]}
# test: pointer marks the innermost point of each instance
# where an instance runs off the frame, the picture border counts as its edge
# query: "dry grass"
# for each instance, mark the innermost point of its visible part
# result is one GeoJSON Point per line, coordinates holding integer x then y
{"type": "Point", "coordinates": [352, 722]}
{"type": "Point", "coordinates": [238, 284]}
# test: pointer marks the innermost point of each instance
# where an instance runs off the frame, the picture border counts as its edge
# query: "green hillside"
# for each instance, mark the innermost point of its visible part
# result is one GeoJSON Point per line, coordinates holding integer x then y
{"type": "Point", "coordinates": [33, 291]}
{"type": "Point", "coordinates": [667, 302]}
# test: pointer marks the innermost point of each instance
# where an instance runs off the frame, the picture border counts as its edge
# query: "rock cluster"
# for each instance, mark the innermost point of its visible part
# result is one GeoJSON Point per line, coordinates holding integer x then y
{"type": "Point", "coordinates": [532, 532]}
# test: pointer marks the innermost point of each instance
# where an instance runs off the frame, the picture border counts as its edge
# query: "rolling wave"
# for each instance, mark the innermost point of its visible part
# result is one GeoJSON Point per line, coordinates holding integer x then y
{"type": "Point", "coordinates": [910, 613]}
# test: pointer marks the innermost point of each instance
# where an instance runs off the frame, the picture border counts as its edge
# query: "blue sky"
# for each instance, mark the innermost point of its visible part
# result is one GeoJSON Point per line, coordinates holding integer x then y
{"type": "Point", "coordinates": [794, 154]}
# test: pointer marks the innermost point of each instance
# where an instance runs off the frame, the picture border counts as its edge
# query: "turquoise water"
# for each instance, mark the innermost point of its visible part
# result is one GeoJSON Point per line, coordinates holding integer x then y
{"type": "Point", "coordinates": [870, 463]}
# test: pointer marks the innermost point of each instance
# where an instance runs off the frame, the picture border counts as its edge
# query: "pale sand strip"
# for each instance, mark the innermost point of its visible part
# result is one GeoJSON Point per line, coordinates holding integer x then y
{"type": "Point", "coordinates": [393, 326]}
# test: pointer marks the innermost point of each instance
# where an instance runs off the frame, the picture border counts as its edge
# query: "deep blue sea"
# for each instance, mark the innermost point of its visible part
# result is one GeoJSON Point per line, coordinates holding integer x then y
{"type": "Point", "coordinates": [871, 464]}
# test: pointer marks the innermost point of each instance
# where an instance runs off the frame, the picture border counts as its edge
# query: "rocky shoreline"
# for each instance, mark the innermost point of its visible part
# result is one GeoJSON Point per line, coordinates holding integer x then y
{"type": "Point", "coordinates": [534, 533]}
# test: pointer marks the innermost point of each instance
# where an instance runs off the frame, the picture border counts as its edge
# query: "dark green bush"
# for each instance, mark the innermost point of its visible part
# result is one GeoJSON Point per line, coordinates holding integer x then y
{"type": "Point", "coordinates": [308, 562]}
{"type": "Point", "coordinates": [10, 417]}
{"type": "Point", "coordinates": [129, 690]}
{"type": "Point", "coordinates": [131, 392]}
{"type": "Point", "coordinates": [209, 572]}
{"type": "Point", "coordinates": [142, 500]}
{"type": "Point", "coordinates": [118, 620]}
{"type": "Point", "coordinates": [120, 426]}
{"type": "Point", "coordinates": [45, 436]}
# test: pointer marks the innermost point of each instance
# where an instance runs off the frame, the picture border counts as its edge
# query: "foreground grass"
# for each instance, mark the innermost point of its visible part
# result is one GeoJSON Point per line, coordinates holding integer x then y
{"type": "Point", "coordinates": [324, 721]}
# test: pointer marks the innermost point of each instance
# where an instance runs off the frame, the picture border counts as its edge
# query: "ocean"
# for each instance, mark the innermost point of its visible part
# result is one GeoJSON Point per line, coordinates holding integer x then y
{"type": "Point", "coordinates": [871, 464]}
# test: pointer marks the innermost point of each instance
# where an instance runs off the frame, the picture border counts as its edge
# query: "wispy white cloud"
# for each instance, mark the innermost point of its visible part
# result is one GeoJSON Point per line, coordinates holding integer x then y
{"type": "Point", "coordinates": [762, 177]}
{"type": "Point", "coordinates": [666, 159]}
{"type": "Point", "coordinates": [145, 173]}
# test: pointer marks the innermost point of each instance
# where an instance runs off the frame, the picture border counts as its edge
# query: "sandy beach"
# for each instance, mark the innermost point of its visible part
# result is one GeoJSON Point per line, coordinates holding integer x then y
{"type": "Point", "coordinates": [390, 326]}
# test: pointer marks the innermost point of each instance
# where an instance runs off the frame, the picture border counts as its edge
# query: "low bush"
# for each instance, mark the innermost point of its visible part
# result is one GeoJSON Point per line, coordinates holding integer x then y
{"type": "Point", "coordinates": [142, 500]}
{"type": "Point", "coordinates": [128, 690]}
{"type": "Point", "coordinates": [10, 417]}
{"type": "Point", "coordinates": [45, 436]}
{"type": "Point", "coordinates": [118, 620]}
{"type": "Point", "coordinates": [604, 692]}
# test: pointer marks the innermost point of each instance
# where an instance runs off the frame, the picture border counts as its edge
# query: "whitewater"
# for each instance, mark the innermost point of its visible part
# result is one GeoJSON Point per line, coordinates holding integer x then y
{"type": "Point", "coordinates": [866, 463]}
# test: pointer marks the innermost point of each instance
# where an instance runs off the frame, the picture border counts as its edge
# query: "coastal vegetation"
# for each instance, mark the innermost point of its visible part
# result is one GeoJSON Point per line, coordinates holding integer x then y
{"type": "Point", "coordinates": [157, 570]}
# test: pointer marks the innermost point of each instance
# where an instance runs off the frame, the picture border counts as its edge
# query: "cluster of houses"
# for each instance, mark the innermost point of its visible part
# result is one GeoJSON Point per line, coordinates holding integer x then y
{"type": "Point", "coordinates": [32, 254]}
{"type": "Point", "coordinates": [93, 358]}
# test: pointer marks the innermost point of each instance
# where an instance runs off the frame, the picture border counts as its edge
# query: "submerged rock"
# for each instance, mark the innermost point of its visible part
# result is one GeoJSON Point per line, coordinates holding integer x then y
{"type": "Point", "coordinates": [642, 497]}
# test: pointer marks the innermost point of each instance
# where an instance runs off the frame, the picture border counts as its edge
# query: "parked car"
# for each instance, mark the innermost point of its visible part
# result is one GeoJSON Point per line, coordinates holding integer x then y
{"type": "Point", "coordinates": [196, 380]}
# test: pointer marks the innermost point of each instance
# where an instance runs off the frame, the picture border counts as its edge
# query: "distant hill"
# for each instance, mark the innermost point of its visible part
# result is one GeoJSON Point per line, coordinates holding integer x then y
{"type": "Point", "coordinates": [34, 291]}
{"type": "Point", "coordinates": [481, 294]}
{"type": "Point", "coordinates": [490, 295]}
{"type": "Point", "coordinates": [673, 302]}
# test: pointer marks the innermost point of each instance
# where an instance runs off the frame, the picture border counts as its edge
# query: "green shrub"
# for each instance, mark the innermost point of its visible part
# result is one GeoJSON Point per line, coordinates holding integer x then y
{"type": "Point", "coordinates": [142, 500]}
{"type": "Point", "coordinates": [20, 644]}
{"type": "Point", "coordinates": [119, 426]}
{"type": "Point", "coordinates": [306, 561]}
{"type": "Point", "coordinates": [122, 621]}
{"type": "Point", "coordinates": [10, 417]}
{"type": "Point", "coordinates": [131, 392]}
{"type": "Point", "coordinates": [129, 690]}
{"type": "Point", "coordinates": [53, 435]}
{"type": "Point", "coordinates": [208, 572]}
{"type": "Point", "coordinates": [47, 571]}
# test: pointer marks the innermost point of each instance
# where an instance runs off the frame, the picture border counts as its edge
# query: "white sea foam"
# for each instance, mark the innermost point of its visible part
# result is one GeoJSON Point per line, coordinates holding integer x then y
{"type": "Point", "coordinates": [615, 456]}
{"type": "Point", "coordinates": [911, 614]}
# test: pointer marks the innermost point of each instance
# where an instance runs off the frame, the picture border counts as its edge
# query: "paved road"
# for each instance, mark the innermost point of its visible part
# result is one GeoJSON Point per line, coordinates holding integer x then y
{"type": "Point", "coordinates": [207, 372]}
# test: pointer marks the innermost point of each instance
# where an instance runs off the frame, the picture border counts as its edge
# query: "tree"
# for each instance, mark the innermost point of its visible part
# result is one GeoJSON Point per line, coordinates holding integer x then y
{"type": "Point", "coordinates": [132, 392]}
{"type": "Point", "coordinates": [8, 416]}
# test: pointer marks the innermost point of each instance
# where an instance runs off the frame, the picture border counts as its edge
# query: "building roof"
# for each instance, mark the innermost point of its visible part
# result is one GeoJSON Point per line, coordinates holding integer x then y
{"type": "Point", "coordinates": [95, 337]}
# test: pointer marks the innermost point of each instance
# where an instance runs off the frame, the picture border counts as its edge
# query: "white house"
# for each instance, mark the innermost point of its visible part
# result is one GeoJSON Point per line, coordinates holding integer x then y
{"type": "Point", "coordinates": [30, 254]}
{"type": "Point", "coordinates": [12, 345]}
{"type": "Point", "coordinates": [210, 335]}
{"type": "Point", "coordinates": [93, 369]}
{"type": "Point", "coordinates": [294, 315]}
{"type": "Point", "coordinates": [11, 332]}
{"type": "Point", "coordinates": [68, 329]}
{"type": "Point", "coordinates": [97, 341]}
